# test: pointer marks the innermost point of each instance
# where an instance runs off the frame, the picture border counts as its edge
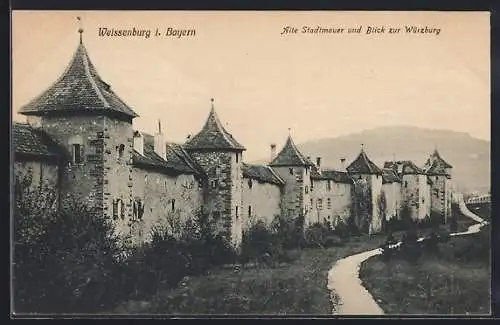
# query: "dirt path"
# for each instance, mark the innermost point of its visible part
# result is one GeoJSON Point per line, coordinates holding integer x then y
{"type": "Point", "coordinates": [344, 282]}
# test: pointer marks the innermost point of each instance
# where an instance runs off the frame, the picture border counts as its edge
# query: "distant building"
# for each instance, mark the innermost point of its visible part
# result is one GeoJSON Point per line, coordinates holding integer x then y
{"type": "Point", "coordinates": [80, 140]}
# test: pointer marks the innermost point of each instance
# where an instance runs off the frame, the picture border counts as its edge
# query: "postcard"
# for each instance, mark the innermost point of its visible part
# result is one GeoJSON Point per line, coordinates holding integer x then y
{"type": "Point", "coordinates": [263, 163]}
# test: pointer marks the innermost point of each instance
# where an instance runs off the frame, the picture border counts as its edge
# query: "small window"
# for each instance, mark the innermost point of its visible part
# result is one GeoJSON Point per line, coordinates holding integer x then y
{"type": "Point", "coordinates": [115, 209]}
{"type": "Point", "coordinates": [250, 183]}
{"type": "Point", "coordinates": [214, 183]}
{"type": "Point", "coordinates": [138, 209]}
{"type": "Point", "coordinates": [329, 203]}
{"type": "Point", "coordinates": [173, 204]}
{"type": "Point", "coordinates": [249, 210]}
{"type": "Point", "coordinates": [320, 204]}
{"type": "Point", "coordinates": [237, 212]}
{"type": "Point", "coordinates": [291, 171]}
{"type": "Point", "coordinates": [307, 189]}
{"type": "Point", "coordinates": [121, 150]}
{"type": "Point", "coordinates": [77, 153]}
{"type": "Point", "coordinates": [406, 183]}
{"type": "Point", "coordinates": [329, 185]}
{"type": "Point", "coordinates": [237, 157]}
{"type": "Point", "coordinates": [311, 203]}
{"type": "Point", "coordinates": [436, 178]}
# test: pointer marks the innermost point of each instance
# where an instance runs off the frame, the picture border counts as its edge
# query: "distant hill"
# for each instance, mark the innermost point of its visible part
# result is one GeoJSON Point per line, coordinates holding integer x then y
{"type": "Point", "coordinates": [469, 157]}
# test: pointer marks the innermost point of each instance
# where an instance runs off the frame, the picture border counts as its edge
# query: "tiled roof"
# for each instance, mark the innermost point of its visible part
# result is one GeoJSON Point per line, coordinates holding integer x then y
{"type": "Point", "coordinates": [436, 165]}
{"type": "Point", "coordinates": [78, 89]}
{"type": "Point", "coordinates": [178, 161]}
{"type": "Point", "coordinates": [28, 141]}
{"type": "Point", "coordinates": [213, 136]}
{"type": "Point", "coordinates": [401, 167]}
{"type": "Point", "coordinates": [290, 156]}
{"type": "Point", "coordinates": [363, 165]}
{"type": "Point", "coordinates": [389, 175]}
{"type": "Point", "coordinates": [331, 174]}
{"type": "Point", "coordinates": [409, 167]}
{"type": "Point", "coordinates": [261, 173]}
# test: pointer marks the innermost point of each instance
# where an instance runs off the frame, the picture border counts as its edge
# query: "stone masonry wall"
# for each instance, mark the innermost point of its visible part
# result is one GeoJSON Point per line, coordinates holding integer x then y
{"type": "Point", "coordinates": [167, 200]}
{"type": "Point", "coordinates": [43, 173]}
{"type": "Point", "coordinates": [118, 172]}
{"type": "Point", "coordinates": [84, 180]}
{"type": "Point", "coordinates": [221, 196]}
{"type": "Point", "coordinates": [264, 200]}
{"type": "Point", "coordinates": [335, 201]}
{"type": "Point", "coordinates": [376, 191]}
{"type": "Point", "coordinates": [393, 199]}
{"type": "Point", "coordinates": [293, 199]}
{"type": "Point", "coordinates": [438, 195]}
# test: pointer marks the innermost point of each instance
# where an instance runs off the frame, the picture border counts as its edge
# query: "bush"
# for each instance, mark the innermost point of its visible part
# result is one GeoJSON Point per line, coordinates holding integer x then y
{"type": "Point", "coordinates": [64, 264]}
{"type": "Point", "coordinates": [289, 230]}
{"type": "Point", "coordinates": [260, 244]}
{"type": "Point", "coordinates": [319, 235]}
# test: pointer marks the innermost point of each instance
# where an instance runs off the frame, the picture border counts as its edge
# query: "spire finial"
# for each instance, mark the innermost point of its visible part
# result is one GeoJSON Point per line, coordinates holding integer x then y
{"type": "Point", "coordinates": [80, 30]}
{"type": "Point", "coordinates": [289, 131]}
{"type": "Point", "coordinates": [362, 145]}
{"type": "Point", "coordinates": [159, 126]}
{"type": "Point", "coordinates": [212, 102]}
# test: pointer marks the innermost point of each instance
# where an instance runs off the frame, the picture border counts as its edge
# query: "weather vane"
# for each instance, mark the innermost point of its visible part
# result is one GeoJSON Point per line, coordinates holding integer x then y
{"type": "Point", "coordinates": [80, 29]}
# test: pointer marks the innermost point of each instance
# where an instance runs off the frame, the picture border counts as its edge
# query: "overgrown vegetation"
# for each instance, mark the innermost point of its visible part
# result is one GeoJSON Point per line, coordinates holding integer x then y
{"type": "Point", "coordinates": [70, 260]}
{"type": "Point", "coordinates": [61, 258]}
{"type": "Point", "coordinates": [450, 276]}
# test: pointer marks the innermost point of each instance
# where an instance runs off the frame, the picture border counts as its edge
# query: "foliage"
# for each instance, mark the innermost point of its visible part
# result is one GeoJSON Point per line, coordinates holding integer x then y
{"type": "Point", "coordinates": [455, 213]}
{"type": "Point", "coordinates": [289, 230]}
{"type": "Point", "coordinates": [261, 244]}
{"type": "Point", "coordinates": [319, 235]}
{"type": "Point", "coordinates": [70, 260]}
{"type": "Point", "coordinates": [63, 264]}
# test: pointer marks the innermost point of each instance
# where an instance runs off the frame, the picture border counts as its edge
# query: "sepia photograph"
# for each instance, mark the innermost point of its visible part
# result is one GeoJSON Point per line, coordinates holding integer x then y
{"type": "Point", "coordinates": [263, 163]}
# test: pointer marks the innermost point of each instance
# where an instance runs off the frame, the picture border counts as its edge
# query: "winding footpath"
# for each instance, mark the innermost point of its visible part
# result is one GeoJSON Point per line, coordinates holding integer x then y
{"type": "Point", "coordinates": [349, 297]}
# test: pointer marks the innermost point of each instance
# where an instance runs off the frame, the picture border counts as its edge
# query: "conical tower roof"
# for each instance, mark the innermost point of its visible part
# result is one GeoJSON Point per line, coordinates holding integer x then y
{"type": "Point", "coordinates": [79, 89]}
{"type": "Point", "coordinates": [436, 165]}
{"type": "Point", "coordinates": [290, 156]}
{"type": "Point", "coordinates": [363, 165]}
{"type": "Point", "coordinates": [213, 136]}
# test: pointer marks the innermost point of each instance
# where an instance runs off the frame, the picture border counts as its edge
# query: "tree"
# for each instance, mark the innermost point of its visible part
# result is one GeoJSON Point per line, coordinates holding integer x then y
{"type": "Point", "coordinates": [64, 259]}
{"type": "Point", "coordinates": [382, 209]}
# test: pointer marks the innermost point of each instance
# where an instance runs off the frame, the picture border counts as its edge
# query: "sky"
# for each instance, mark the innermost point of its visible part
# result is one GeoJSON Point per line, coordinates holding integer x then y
{"type": "Point", "coordinates": [266, 85]}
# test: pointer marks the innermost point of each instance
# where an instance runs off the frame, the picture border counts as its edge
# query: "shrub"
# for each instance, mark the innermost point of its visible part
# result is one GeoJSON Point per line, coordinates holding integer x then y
{"type": "Point", "coordinates": [289, 230]}
{"type": "Point", "coordinates": [315, 234]}
{"type": "Point", "coordinates": [261, 244]}
{"type": "Point", "coordinates": [319, 235]}
{"type": "Point", "coordinates": [64, 267]}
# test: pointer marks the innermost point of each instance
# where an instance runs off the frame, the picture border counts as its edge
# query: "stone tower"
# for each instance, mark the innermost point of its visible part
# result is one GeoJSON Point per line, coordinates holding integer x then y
{"type": "Point", "coordinates": [295, 169]}
{"type": "Point", "coordinates": [220, 155]}
{"type": "Point", "coordinates": [367, 189]}
{"type": "Point", "coordinates": [439, 173]}
{"type": "Point", "coordinates": [414, 190]}
{"type": "Point", "coordinates": [94, 126]}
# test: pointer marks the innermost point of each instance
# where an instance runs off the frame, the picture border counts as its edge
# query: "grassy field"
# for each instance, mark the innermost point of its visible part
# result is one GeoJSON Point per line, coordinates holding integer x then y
{"type": "Point", "coordinates": [455, 279]}
{"type": "Point", "coordinates": [298, 287]}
